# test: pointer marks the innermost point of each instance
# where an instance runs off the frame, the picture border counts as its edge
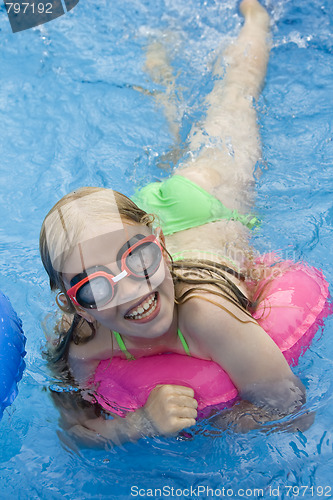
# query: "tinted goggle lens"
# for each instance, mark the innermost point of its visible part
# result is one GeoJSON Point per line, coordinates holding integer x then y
{"type": "Point", "coordinates": [143, 260]}
{"type": "Point", "coordinates": [95, 293]}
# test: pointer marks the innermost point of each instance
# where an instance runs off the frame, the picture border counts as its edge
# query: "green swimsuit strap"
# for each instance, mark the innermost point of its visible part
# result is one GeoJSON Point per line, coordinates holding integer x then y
{"type": "Point", "coordinates": [122, 346]}
{"type": "Point", "coordinates": [129, 356]}
{"type": "Point", "coordinates": [184, 343]}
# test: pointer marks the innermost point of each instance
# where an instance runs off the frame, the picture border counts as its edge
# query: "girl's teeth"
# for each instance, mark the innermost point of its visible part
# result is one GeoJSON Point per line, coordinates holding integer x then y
{"type": "Point", "coordinates": [142, 310]}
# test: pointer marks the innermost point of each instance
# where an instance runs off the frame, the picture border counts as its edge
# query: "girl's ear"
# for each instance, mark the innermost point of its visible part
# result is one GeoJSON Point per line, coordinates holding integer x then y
{"type": "Point", "coordinates": [62, 302]}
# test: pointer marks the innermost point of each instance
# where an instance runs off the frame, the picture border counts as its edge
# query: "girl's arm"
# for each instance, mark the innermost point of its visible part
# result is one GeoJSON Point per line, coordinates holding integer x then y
{"type": "Point", "coordinates": [168, 410]}
{"type": "Point", "coordinates": [246, 352]}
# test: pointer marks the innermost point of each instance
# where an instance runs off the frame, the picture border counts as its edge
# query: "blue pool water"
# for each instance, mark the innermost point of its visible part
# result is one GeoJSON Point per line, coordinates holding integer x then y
{"type": "Point", "coordinates": [70, 115]}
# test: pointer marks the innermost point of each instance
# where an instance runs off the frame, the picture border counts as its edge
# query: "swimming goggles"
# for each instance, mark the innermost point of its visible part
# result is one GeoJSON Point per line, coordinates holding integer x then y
{"type": "Point", "coordinates": [139, 258]}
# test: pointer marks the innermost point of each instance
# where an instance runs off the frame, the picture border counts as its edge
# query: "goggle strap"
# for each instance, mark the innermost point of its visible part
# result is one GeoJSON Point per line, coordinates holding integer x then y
{"type": "Point", "coordinates": [120, 276]}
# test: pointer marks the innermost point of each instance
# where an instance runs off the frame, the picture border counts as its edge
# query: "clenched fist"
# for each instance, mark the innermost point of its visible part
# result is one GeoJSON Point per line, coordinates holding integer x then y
{"type": "Point", "coordinates": [171, 408]}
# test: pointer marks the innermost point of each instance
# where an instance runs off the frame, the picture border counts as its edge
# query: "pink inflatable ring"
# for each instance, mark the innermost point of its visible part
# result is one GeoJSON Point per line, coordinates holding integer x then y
{"type": "Point", "coordinates": [291, 310]}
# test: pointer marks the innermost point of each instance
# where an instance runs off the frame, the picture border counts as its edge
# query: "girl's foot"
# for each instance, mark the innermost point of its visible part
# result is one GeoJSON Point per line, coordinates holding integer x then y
{"type": "Point", "coordinates": [252, 9]}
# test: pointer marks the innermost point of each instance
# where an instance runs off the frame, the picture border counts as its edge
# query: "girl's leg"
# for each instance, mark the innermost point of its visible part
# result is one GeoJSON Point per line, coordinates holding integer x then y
{"type": "Point", "coordinates": [228, 140]}
{"type": "Point", "coordinates": [159, 68]}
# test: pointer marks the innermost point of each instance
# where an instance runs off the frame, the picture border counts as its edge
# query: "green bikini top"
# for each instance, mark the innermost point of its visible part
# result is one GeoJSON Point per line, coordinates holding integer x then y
{"type": "Point", "coordinates": [129, 356]}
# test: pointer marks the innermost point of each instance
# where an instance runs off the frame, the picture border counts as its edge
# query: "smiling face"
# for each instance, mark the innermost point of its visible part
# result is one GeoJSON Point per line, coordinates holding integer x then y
{"type": "Point", "coordinates": [118, 275]}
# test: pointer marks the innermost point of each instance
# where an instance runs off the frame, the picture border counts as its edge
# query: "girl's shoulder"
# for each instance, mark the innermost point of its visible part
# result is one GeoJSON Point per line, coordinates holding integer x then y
{"type": "Point", "coordinates": [205, 318]}
{"type": "Point", "coordinates": [207, 305]}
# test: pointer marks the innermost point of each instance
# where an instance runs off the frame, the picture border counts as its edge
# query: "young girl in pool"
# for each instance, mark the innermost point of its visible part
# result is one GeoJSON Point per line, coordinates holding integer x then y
{"type": "Point", "coordinates": [125, 297]}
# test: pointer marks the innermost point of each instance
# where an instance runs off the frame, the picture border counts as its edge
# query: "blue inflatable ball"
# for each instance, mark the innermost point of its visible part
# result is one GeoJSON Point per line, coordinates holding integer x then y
{"type": "Point", "coordinates": [12, 352]}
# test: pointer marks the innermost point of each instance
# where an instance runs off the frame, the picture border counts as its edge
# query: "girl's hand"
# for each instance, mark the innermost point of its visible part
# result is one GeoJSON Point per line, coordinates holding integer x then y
{"type": "Point", "coordinates": [171, 408]}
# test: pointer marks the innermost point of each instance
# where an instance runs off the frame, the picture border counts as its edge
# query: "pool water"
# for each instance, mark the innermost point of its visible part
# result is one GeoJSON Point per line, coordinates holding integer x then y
{"type": "Point", "coordinates": [71, 115]}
